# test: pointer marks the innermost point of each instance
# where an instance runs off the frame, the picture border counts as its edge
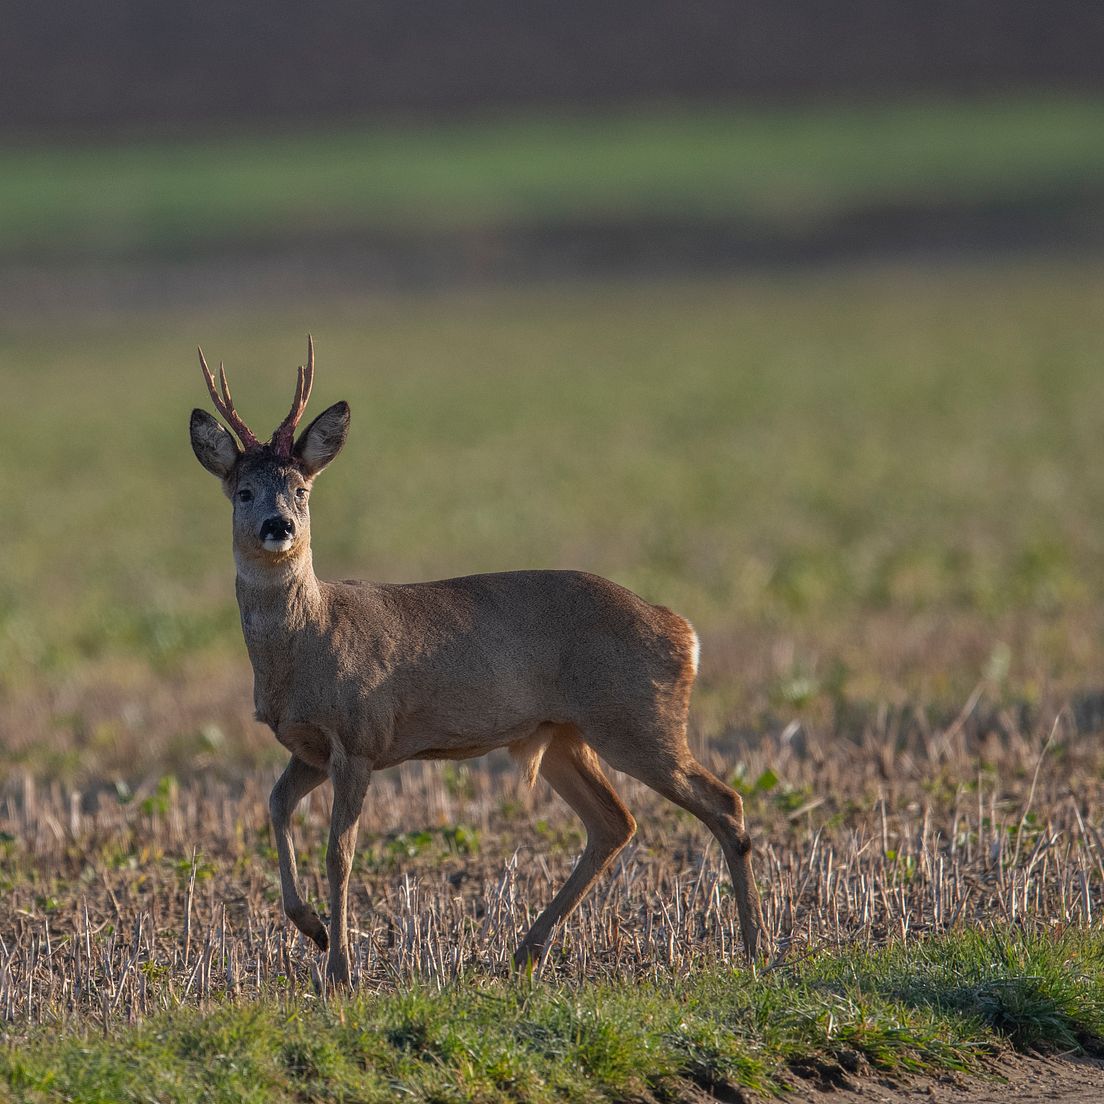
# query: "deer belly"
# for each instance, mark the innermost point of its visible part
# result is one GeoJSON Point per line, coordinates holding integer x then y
{"type": "Point", "coordinates": [452, 752]}
{"type": "Point", "coordinates": [306, 741]}
{"type": "Point", "coordinates": [433, 742]}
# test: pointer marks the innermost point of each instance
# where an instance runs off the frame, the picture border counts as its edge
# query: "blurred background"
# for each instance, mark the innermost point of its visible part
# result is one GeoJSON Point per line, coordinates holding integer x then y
{"type": "Point", "coordinates": [788, 317]}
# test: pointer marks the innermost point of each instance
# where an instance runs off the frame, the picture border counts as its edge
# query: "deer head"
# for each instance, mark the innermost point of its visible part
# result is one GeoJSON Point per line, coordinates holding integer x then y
{"type": "Point", "coordinates": [269, 484]}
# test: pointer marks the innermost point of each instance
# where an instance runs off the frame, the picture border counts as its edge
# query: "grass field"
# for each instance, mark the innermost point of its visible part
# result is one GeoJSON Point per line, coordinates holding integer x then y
{"type": "Point", "coordinates": [862, 488]}
{"type": "Point", "coordinates": [786, 167]}
{"type": "Point", "coordinates": [942, 1005]}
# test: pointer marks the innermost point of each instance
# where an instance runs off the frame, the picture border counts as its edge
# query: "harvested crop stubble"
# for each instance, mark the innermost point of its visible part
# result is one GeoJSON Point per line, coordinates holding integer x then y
{"type": "Point", "coordinates": [118, 905]}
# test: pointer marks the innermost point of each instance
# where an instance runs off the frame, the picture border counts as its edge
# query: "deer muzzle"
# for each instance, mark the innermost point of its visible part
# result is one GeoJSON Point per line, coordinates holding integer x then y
{"type": "Point", "coordinates": [277, 533]}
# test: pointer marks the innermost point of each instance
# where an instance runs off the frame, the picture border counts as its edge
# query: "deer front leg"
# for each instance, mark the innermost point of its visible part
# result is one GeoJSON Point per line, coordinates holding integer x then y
{"type": "Point", "coordinates": [298, 779]}
{"type": "Point", "coordinates": [350, 783]}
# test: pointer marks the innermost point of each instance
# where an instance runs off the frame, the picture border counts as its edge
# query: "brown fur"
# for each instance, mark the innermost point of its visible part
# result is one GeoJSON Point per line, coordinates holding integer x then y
{"type": "Point", "coordinates": [529, 753]}
{"type": "Point", "coordinates": [557, 666]}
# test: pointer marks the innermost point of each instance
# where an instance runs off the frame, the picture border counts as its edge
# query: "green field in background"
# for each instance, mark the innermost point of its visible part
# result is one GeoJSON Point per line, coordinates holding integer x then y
{"type": "Point", "coordinates": [785, 166]}
{"type": "Point", "coordinates": [807, 458]}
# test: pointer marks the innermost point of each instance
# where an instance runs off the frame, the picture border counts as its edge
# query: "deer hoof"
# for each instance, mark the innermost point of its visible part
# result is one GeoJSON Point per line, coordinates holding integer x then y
{"type": "Point", "coordinates": [527, 958]}
{"type": "Point", "coordinates": [337, 973]}
{"type": "Point", "coordinates": [308, 923]}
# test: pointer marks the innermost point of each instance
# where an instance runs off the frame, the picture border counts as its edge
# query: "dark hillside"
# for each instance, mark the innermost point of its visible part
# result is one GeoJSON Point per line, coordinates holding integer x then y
{"type": "Point", "coordinates": [124, 64]}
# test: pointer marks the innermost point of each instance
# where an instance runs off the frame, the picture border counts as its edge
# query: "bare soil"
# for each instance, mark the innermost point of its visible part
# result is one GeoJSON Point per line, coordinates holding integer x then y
{"type": "Point", "coordinates": [1024, 1080]}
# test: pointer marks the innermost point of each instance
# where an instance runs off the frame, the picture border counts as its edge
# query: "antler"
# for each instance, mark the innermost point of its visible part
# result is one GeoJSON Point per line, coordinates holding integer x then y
{"type": "Point", "coordinates": [225, 405]}
{"type": "Point", "coordinates": [284, 435]}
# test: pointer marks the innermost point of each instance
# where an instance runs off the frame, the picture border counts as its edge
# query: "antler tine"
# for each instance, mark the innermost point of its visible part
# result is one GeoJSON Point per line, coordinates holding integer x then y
{"type": "Point", "coordinates": [224, 404]}
{"type": "Point", "coordinates": [225, 386]}
{"type": "Point", "coordinates": [210, 380]}
{"type": "Point", "coordinates": [282, 438]}
{"type": "Point", "coordinates": [309, 371]}
{"type": "Point", "coordinates": [298, 403]}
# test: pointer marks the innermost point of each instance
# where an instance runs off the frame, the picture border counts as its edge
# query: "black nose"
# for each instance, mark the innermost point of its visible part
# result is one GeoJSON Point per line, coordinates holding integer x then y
{"type": "Point", "coordinates": [277, 528]}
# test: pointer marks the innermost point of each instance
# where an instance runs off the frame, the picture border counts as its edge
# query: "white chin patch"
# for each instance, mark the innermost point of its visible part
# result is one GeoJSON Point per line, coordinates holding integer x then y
{"type": "Point", "coordinates": [273, 545]}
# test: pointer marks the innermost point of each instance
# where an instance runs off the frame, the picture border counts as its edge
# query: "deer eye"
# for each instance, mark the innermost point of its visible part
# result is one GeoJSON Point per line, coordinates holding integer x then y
{"type": "Point", "coordinates": [245, 495]}
{"type": "Point", "coordinates": [301, 493]}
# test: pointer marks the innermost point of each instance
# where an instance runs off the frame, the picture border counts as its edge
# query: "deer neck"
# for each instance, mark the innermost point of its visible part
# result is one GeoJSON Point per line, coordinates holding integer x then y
{"type": "Point", "coordinates": [278, 598]}
{"type": "Point", "coordinates": [281, 610]}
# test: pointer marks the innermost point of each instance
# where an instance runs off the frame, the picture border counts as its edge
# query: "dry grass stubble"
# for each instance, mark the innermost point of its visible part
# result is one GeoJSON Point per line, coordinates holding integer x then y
{"type": "Point", "coordinates": [117, 905]}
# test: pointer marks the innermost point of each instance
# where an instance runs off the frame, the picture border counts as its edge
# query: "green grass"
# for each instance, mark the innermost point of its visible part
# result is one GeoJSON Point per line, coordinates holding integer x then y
{"type": "Point", "coordinates": [778, 167]}
{"type": "Point", "coordinates": [930, 1006]}
{"type": "Point", "coordinates": [898, 476]}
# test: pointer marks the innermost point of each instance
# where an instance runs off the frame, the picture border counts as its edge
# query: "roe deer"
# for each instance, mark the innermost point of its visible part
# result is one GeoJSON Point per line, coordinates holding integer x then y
{"type": "Point", "coordinates": [560, 667]}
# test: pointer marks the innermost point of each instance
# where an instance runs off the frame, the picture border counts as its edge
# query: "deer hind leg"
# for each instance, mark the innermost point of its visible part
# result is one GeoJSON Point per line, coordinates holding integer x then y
{"type": "Point", "coordinates": [350, 783]}
{"type": "Point", "coordinates": [298, 779]}
{"type": "Point", "coordinates": [679, 777]}
{"type": "Point", "coordinates": [572, 770]}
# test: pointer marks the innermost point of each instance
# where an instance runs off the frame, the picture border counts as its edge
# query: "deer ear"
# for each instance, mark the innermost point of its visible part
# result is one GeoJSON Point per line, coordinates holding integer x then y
{"type": "Point", "coordinates": [322, 440]}
{"type": "Point", "coordinates": [215, 449]}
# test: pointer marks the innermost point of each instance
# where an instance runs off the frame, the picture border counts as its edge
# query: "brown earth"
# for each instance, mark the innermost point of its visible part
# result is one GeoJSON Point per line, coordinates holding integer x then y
{"type": "Point", "coordinates": [1023, 1080]}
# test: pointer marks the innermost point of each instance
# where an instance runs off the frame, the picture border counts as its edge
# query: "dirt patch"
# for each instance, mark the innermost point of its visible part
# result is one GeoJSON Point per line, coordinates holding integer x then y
{"type": "Point", "coordinates": [1013, 1079]}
